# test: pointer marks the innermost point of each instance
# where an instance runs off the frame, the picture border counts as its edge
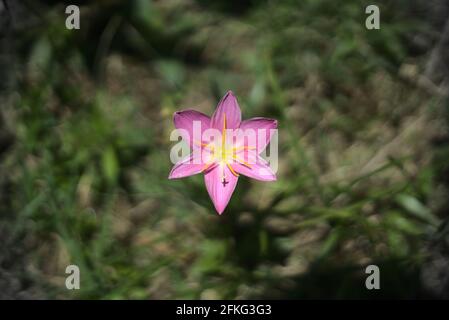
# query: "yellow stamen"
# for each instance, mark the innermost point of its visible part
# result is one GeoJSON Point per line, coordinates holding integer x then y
{"type": "Point", "coordinates": [232, 170]}
{"type": "Point", "coordinates": [223, 138]}
{"type": "Point", "coordinates": [205, 145]}
{"type": "Point", "coordinates": [207, 166]}
{"type": "Point", "coordinates": [226, 155]}
{"type": "Point", "coordinates": [242, 162]}
{"type": "Point", "coordinates": [223, 176]}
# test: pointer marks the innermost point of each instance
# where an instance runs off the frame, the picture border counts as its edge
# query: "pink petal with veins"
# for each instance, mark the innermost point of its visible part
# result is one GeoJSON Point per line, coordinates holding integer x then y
{"type": "Point", "coordinates": [229, 106]}
{"type": "Point", "coordinates": [185, 120]}
{"type": "Point", "coordinates": [263, 125]}
{"type": "Point", "coordinates": [257, 168]}
{"type": "Point", "coordinates": [220, 192]}
{"type": "Point", "coordinates": [185, 168]}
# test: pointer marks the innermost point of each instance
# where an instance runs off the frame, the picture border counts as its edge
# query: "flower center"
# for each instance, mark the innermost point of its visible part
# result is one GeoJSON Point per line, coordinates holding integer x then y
{"type": "Point", "coordinates": [224, 154]}
{"type": "Point", "coordinates": [227, 154]}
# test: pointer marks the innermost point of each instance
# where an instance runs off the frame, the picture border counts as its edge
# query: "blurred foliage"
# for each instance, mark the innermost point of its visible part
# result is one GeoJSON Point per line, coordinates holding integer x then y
{"type": "Point", "coordinates": [86, 183]}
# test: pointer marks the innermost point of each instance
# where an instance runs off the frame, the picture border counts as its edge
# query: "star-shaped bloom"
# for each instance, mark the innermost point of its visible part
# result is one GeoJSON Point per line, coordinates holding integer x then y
{"type": "Point", "coordinates": [223, 148]}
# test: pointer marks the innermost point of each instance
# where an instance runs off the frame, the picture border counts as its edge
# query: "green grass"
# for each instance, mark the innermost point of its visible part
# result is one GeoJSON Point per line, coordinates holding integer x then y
{"type": "Point", "coordinates": [91, 116]}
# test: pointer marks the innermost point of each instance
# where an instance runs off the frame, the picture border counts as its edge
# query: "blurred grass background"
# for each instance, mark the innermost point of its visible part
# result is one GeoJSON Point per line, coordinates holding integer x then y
{"type": "Point", "coordinates": [86, 117]}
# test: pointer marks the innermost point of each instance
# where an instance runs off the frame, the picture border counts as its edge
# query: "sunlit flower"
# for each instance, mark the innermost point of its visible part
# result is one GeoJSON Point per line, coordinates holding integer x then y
{"type": "Point", "coordinates": [224, 147]}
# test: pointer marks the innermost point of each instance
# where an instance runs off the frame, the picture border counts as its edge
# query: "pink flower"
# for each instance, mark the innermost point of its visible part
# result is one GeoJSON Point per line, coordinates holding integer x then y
{"type": "Point", "coordinates": [224, 147]}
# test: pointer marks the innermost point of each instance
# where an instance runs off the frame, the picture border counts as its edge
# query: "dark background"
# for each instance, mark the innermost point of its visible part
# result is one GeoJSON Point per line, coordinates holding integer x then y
{"type": "Point", "coordinates": [363, 147]}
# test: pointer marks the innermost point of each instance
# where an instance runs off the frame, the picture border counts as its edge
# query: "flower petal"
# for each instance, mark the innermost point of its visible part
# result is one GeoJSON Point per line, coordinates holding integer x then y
{"type": "Point", "coordinates": [185, 120]}
{"type": "Point", "coordinates": [257, 168]}
{"type": "Point", "coordinates": [186, 167]}
{"type": "Point", "coordinates": [261, 126]}
{"type": "Point", "coordinates": [227, 106]}
{"type": "Point", "coordinates": [220, 192]}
